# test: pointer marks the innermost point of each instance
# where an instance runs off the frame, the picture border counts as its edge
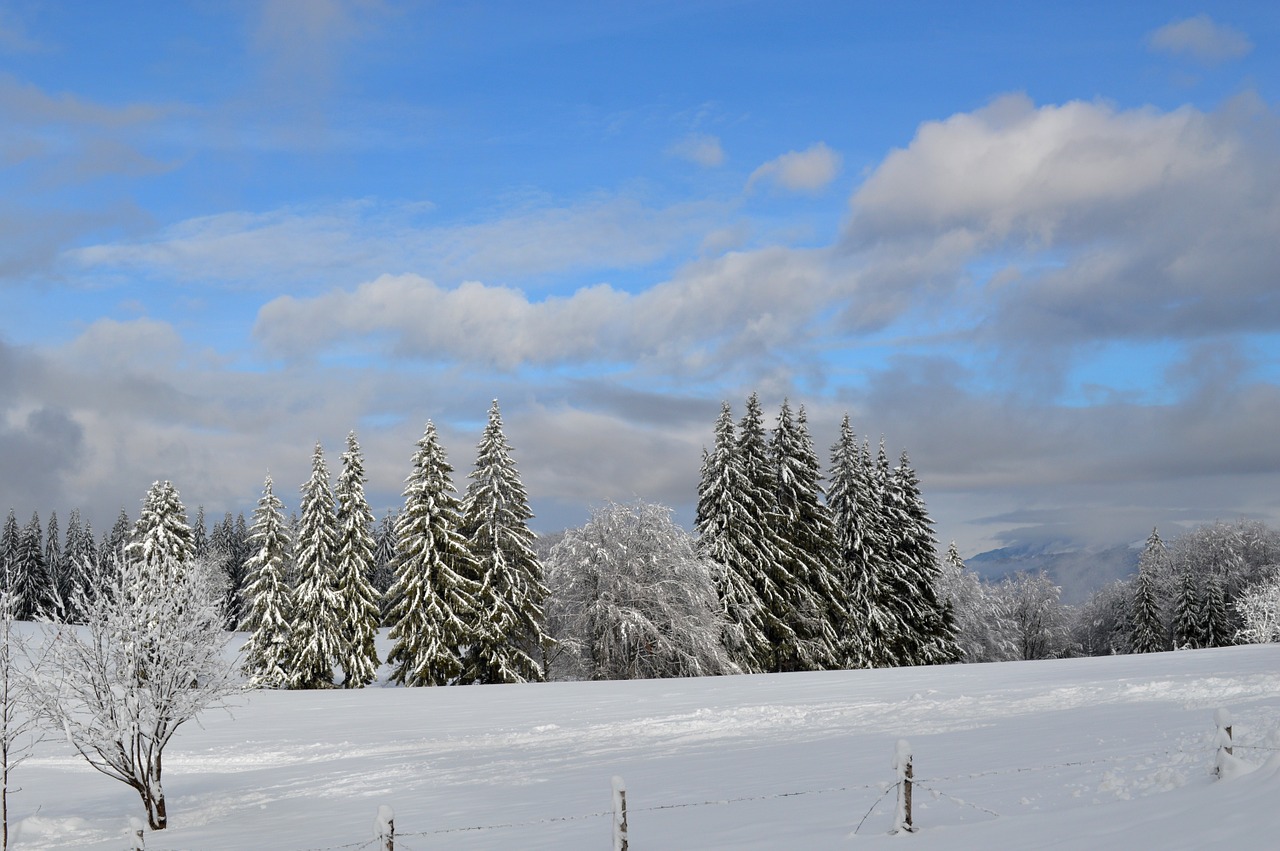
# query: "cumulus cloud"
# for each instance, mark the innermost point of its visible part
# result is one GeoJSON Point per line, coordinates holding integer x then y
{"type": "Point", "coordinates": [700, 149]}
{"type": "Point", "coordinates": [1202, 39]}
{"type": "Point", "coordinates": [810, 170]}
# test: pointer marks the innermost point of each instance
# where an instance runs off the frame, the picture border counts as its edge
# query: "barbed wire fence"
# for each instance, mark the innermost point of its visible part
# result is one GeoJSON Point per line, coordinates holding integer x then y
{"type": "Point", "coordinates": [387, 838]}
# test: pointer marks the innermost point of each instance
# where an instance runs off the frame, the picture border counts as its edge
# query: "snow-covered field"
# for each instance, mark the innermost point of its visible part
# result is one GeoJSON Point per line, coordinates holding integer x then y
{"type": "Point", "coordinates": [1088, 753]}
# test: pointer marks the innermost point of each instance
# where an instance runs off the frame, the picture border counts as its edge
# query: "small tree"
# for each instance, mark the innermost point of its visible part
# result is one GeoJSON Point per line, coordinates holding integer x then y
{"type": "Point", "coordinates": [149, 660]}
{"type": "Point", "coordinates": [1259, 609]}
{"type": "Point", "coordinates": [268, 597]}
{"type": "Point", "coordinates": [19, 731]}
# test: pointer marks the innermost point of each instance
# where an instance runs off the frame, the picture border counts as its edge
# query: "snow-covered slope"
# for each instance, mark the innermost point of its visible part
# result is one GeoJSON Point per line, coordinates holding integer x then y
{"type": "Point", "coordinates": [1088, 753]}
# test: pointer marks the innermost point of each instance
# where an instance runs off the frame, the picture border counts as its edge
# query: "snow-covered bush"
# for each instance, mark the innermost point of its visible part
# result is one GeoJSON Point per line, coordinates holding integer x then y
{"type": "Point", "coordinates": [1259, 610]}
{"type": "Point", "coordinates": [631, 598]}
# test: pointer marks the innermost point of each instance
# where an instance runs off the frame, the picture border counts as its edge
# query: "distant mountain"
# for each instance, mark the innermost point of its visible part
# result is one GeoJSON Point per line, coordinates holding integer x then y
{"type": "Point", "coordinates": [1078, 571]}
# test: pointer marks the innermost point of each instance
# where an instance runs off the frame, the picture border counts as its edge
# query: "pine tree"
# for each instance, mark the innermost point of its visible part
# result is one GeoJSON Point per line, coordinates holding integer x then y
{"type": "Point", "coordinates": [1215, 627]}
{"type": "Point", "coordinates": [856, 518]}
{"type": "Point", "coordinates": [1148, 620]}
{"type": "Point", "coordinates": [435, 606]}
{"type": "Point", "coordinates": [384, 561]}
{"type": "Point", "coordinates": [55, 570]}
{"type": "Point", "coordinates": [1187, 623]}
{"type": "Point", "coordinates": [81, 555]}
{"type": "Point", "coordinates": [495, 516]}
{"type": "Point", "coordinates": [356, 597]}
{"type": "Point", "coordinates": [924, 625]}
{"type": "Point", "coordinates": [9, 544]}
{"type": "Point", "coordinates": [29, 579]}
{"type": "Point", "coordinates": [805, 527]}
{"type": "Point", "coordinates": [200, 534]}
{"type": "Point", "coordinates": [229, 547]}
{"type": "Point", "coordinates": [113, 543]}
{"type": "Point", "coordinates": [161, 540]}
{"type": "Point", "coordinates": [729, 531]}
{"type": "Point", "coordinates": [268, 597]}
{"type": "Point", "coordinates": [317, 626]}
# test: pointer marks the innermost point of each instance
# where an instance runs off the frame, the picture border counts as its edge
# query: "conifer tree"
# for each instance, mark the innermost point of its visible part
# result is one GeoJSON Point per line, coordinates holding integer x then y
{"type": "Point", "coordinates": [729, 534]}
{"type": "Point", "coordinates": [511, 640]}
{"type": "Point", "coordinates": [1148, 621]}
{"type": "Point", "coordinates": [357, 599]}
{"type": "Point", "coordinates": [924, 625]}
{"type": "Point", "coordinates": [1187, 623]}
{"type": "Point", "coordinates": [29, 579]}
{"type": "Point", "coordinates": [435, 600]}
{"type": "Point", "coordinates": [80, 560]}
{"type": "Point", "coordinates": [1215, 628]}
{"type": "Point", "coordinates": [384, 561]}
{"type": "Point", "coordinates": [114, 541]}
{"type": "Point", "coordinates": [268, 597]}
{"type": "Point", "coordinates": [9, 544]}
{"type": "Point", "coordinates": [805, 527]}
{"type": "Point", "coordinates": [317, 628]}
{"type": "Point", "coordinates": [200, 534]}
{"type": "Point", "coordinates": [856, 518]}
{"type": "Point", "coordinates": [55, 570]}
{"type": "Point", "coordinates": [161, 541]}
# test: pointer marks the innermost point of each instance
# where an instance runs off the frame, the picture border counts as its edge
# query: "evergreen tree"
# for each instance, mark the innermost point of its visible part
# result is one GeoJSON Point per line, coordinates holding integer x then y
{"type": "Point", "coordinates": [787, 576]}
{"type": "Point", "coordinates": [924, 626]}
{"type": "Point", "coordinates": [200, 534]}
{"type": "Point", "coordinates": [384, 561]}
{"type": "Point", "coordinates": [856, 518]}
{"type": "Point", "coordinates": [729, 534]}
{"type": "Point", "coordinates": [808, 521]}
{"type": "Point", "coordinates": [495, 516]}
{"type": "Point", "coordinates": [161, 541]}
{"type": "Point", "coordinates": [356, 596]}
{"type": "Point", "coordinates": [81, 559]}
{"type": "Point", "coordinates": [9, 544]}
{"type": "Point", "coordinates": [114, 541]}
{"type": "Point", "coordinates": [29, 579]}
{"type": "Point", "coordinates": [268, 597]}
{"type": "Point", "coordinates": [1148, 620]}
{"type": "Point", "coordinates": [317, 626]}
{"type": "Point", "coordinates": [1187, 623]}
{"type": "Point", "coordinates": [1215, 628]}
{"type": "Point", "coordinates": [435, 607]}
{"type": "Point", "coordinates": [230, 549]}
{"type": "Point", "coordinates": [55, 569]}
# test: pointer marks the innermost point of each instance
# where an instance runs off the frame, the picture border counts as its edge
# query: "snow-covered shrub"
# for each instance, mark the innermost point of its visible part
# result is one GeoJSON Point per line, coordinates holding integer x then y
{"type": "Point", "coordinates": [1259, 610]}
{"type": "Point", "coordinates": [631, 598]}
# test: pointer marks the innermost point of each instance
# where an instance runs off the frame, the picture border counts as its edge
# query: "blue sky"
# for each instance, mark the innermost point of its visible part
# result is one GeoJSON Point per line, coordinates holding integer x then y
{"type": "Point", "coordinates": [1033, 244]}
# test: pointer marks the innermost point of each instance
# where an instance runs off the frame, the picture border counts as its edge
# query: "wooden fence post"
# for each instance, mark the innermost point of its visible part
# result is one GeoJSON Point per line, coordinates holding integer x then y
{"type": "Point", "coordinates": [902, 764]}
{"type": "Point", "coordinates": [1223, 719]}
{"type": "Point", "coordinates": [384, 828]}
{"type": "Point", "coordinates": [138, 831]}
{"type": "Point", "coordinates": [620, 841]}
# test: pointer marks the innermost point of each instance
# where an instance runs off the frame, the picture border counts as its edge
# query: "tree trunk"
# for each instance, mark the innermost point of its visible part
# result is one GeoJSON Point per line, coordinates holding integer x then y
{"type": "Point", "coordinates": [157, 817]}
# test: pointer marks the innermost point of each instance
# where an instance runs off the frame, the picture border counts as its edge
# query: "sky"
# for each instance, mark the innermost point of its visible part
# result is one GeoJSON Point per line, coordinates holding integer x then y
{"type": "Point", "coordinates": [1034, 245]}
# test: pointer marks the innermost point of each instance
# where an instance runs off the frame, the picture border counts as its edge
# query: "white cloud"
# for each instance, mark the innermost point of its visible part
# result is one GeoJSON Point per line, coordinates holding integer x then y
{"type": "Point", "coordinates": [700, 149]}
{"type": "Point", "coordinates": [1202, 39]}
{"type": "Point", "coordinates": [809, 170]}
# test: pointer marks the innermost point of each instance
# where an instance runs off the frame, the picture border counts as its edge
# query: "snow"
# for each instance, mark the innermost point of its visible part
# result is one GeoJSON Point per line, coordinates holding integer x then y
{"type": "Point", "coordinates": [1084, 753]}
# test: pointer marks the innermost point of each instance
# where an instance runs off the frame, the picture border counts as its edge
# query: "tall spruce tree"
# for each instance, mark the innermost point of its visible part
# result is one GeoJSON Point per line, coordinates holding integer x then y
{"type": "Point", "coordinates": [356, 596]}
{"type": "Point", "coordinates": [384, 561]}
{"type": "Point", "coordinates": [161, 541]}
{"type": "Point", "coordinates": [924, 626]}
{"type": "Point", "coordinates": [114, 541]}
{"type": "Point", "coordinates": [269, 608]}
{"type": "Point", "coordinates": [435, 607]}
{"type": "Point", "coordinates": [80, 557]}
{"type": "Point", "coordinates": [1215, 628]}
{"type": "Point", "coordinates": [511, 644]}
{"type": "Point", "coordinates": [730, 530]}
{"type": "Point", "coordinates": [9, 544]}
{"type": "Point", "coordinates": [1187, 621]}
{"type": "Point", "coordinates": [805, 525]}
{"type": "Point", "coordinates": [1148, 619]}
{"type": "Point", "coordinates": [29, 579]}
{"type": "Point", "coordinates": [317, 626]}
{"type": "Point", "coordinates": [857, 521]}
{"type": "Point", "coordinates": [55, 569]}
{"type": "Point", "coordinates": [200, 534]}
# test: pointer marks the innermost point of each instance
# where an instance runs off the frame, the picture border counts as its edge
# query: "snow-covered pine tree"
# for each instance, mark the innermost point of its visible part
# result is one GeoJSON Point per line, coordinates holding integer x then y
{"type": "Point", "coordinates": [357, 599]}
{"type": "Point", "coordinates": [856, 518]}
{"type": "Point", "coordinates": [1148, 619]}
{"type": "Point", "coordinates": [200, 534]}
{"type": "Point", "coordinates": [805, 524]}
{"type": "Point", "coordinates": [1187, 622]}
{"type": "Point", "coordinates": [161, 540]}
{"type": "Point", "coordinates": [317, 628]}
{"type": "Point", "coordinates": [28, 578]}
{"type": "Point", "coordinates": [435, 600]}
{"type": "Point", "coordinates": [9, 543]}
{"type": "Point", "coordinates": [55, 569]}
{"type": "Point", "coordinates": [789, 578]}
{"type": "Point", "coordinates": [80, 557]}
{"type": "Point", "coordinates": [268, 599]}
{"type": "Point", "coordinates": [983, 628]}
{"type": "Point", "coordinates": [729, 534]}
{"type": "Point", "coordinates": [511, 642]}
{"type": "Point", "coordinates": [1215, 627]}
{"type": "Point", "coordinates": [384, 561]}
{"type": "Point", "coordinates": [114, 540]}
{"type": "Point", "coordinates": [925, 625]}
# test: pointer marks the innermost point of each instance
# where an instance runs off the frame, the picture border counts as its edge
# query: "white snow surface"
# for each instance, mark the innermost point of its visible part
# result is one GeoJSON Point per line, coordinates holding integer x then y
{"type": "Point", "coordinates": [1103, 753]}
